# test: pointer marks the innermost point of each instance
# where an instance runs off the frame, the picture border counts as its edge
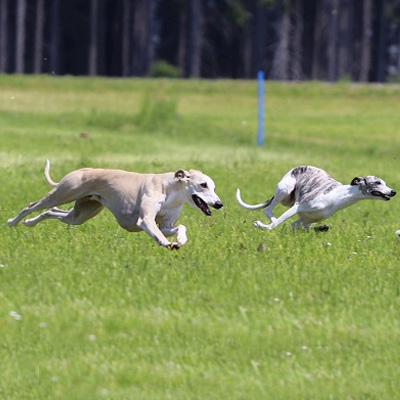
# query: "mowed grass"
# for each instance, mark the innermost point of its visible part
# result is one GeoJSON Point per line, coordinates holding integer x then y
{"type": "Point", "coordinates": [94, 312]}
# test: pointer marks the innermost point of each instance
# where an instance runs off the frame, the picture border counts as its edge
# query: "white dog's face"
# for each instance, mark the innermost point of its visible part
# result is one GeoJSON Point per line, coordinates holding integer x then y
{"type": "Point", "coordinates": [374, 187]}
{"type": "Point", "coordinates": [200, 190]}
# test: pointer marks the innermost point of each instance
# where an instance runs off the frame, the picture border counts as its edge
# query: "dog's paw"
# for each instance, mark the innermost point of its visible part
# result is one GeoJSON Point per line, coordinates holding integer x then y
{"type": "Point", "coordinates": [181, 237]}
{"type": "Point", "coordinates": [174, 246]}
{"type": "Point", "coordinates": [321, 228]}
{"type": "Point", "coordinates": [260, 225]}
{"type": "Point", "coordinates": [11, 222]}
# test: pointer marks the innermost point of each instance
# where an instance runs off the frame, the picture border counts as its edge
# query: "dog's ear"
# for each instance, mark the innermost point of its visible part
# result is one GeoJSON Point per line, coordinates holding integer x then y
{"type": "Point", "coordinates": [180, 175]}
{"type": "Point", "coordinates": [356, 181]}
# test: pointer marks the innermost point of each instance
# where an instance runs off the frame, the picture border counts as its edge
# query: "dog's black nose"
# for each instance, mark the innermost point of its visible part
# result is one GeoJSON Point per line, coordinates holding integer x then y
{"type": "Point", "coordinates": [218, 205]}
{"type": "Point", "coordinates": [393, 193]}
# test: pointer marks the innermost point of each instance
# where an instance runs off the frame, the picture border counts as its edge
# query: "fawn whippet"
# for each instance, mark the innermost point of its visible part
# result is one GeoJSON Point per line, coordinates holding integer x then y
{"type": "Point", "coordinates": [148, 202]}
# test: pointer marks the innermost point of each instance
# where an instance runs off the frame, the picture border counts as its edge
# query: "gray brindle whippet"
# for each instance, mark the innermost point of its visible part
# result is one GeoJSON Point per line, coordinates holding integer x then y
{"type": "Point", "coordinates": [314, 196]}
{"type": "Point", "coordinates": [148, 202]}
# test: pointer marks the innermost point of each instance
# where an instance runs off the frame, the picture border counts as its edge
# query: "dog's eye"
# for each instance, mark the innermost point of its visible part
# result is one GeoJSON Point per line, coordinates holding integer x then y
{"type": "Point", "coordinates": [204, 185]}
{"type": "Point", "coordinates": [377, 182]}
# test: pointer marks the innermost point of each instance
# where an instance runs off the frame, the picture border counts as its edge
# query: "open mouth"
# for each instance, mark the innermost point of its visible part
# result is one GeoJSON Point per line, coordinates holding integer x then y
{"type": "Point", "coordinates": [201, 204]}
{"type": "Point", "coordinates": [384, 196]}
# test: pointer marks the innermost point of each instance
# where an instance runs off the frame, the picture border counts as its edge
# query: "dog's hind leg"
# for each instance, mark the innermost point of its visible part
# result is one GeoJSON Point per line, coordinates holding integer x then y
{"type": "Point", "coordinates": [54, 213]}
{"type": "Point", "coordinates": [64, 192]}
{"type": "Point", "coordinates": [48, 201]}
{"type": "Point", "coordinates": [286, 215]}
{"type": "Point", "coordinates": [284, 194]}
{"type": "Point", "coordinates": [35, 206]}
{"type": "Point", "coordinates": [83, 210]}
{"type": "Point", "coordinates": [268, 210]}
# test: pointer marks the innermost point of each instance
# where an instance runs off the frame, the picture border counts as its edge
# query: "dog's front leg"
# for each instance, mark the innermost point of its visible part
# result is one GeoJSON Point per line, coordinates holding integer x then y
{"type": "Point", "coordinates": [298, 223]}
{"type": "Point", "coordinates": [149, 226]}
{"type": "Point", "coordinates": [179, 231]}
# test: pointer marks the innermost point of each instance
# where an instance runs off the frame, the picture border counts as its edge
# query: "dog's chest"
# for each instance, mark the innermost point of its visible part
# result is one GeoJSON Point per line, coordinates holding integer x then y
{"type": "Point", "coordinates": [324, 205]}
{"type": "Point", "coordinates": [168, 215]}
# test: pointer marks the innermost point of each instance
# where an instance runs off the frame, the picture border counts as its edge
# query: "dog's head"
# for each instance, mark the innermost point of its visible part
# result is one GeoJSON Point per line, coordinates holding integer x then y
{"type": "Point", "coordinates": [200, 190]}
{"type": "Point", "coordinates": [373, 187]}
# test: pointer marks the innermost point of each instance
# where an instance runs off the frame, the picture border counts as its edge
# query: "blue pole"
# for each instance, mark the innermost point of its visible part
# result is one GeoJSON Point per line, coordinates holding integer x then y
{"type": "Point", "coordinates": [260, 131]}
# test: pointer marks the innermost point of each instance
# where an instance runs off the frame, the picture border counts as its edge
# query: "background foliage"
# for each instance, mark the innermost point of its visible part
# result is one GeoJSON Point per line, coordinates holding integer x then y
{"type": "Point", "coordinates": [326, 40]}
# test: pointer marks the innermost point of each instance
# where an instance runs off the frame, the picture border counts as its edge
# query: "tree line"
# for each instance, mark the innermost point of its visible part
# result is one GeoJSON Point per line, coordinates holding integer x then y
{"type": "Point", "coordinates": [357, 40]}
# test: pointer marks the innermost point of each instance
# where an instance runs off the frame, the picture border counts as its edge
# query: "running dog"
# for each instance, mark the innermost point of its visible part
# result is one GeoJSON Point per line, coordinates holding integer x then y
{"type": "Point", "coordinates": [314, 196]}
{"type": "Point", "coordinates": [148, 202]}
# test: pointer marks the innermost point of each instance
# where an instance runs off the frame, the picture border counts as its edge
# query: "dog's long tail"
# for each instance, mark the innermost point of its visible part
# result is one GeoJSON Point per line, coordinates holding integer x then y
{"type": "Point", "coordinates": [251, 206]}
{"type": "Point", "coordinates": [47, 174]}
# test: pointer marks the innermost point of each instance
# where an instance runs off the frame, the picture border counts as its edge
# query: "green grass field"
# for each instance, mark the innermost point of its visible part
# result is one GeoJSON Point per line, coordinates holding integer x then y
{"type": "Point", "coordinates": [94, 312]}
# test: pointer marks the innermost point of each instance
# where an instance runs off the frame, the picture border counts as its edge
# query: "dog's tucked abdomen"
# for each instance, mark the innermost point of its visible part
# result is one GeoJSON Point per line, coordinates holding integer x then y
{"type": "Point", "coordinates": [311, 182]}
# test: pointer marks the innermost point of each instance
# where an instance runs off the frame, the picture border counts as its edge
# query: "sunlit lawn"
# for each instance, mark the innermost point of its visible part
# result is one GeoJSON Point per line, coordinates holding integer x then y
{"type": "Point", "coordinates": [92, 311]}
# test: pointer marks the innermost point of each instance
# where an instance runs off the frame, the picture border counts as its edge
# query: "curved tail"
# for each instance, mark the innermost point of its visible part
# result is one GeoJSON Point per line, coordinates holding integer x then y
{"type": "Point", "coordinates": [251, 206]}
{"type": "Point", "coordinates": [47, 174]}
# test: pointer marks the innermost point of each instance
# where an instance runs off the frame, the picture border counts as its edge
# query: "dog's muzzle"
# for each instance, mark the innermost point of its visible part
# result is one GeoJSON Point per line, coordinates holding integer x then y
{"type": "Point", "coordinates": [217, 205]}
{"type": "Point", "coordinates": [384, 196]}
{"type": "Point", "coordinates": [200, 203]}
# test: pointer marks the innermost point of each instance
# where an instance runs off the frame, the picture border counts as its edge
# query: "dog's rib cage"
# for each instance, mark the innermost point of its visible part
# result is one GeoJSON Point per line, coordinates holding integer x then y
{"type": "Point", "coordinates": [312, 181]}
